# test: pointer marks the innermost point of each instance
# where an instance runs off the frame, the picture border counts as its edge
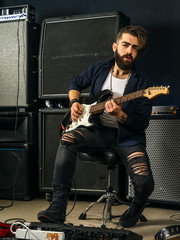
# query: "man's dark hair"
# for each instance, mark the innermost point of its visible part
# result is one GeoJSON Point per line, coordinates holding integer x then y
{"type": "Point", "coordinates": [138, 32]}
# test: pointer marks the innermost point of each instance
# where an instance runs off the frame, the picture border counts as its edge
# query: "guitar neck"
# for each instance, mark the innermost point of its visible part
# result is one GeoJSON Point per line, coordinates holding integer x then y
{"type": "Point", "coordinates": [101, 106]}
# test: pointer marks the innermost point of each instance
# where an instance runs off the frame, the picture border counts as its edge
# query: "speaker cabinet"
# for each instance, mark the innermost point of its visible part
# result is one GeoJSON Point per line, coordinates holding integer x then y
{"type": "Point", "coordinates": [19, 42]}
{"type": "Point", "coordinates": [69, 45]}
{"type": "Point", "coordinates": [163, 138]}
{"type": "Point", "coordinates": [18, 172]}
{"type": "Point", "coordinates": [90, 178]}
{"type": "Point", "coordinates": [18, 155]}
{"type": "Point", "coordinates": [18, 127]}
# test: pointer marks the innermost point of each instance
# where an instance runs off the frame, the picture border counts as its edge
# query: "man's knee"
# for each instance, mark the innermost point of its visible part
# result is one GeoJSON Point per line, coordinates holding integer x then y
{"type": "Point", "coordinates": [72, 137]}
{"type": "Point", "coordinates": [144, 185]}
{"type": "Point", "coordinates": [141, 173]}
{"type": "Point", "coordinates": [139, 163]}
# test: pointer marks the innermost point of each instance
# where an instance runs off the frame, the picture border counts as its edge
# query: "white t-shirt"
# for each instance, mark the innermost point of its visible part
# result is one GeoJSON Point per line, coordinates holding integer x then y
{"type": "Point", "coordinates": [117, 86]}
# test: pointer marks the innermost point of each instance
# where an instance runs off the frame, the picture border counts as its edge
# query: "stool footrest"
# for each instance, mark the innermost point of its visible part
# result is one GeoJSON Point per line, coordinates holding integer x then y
{"type": "Point", "coordinates": [82, 216]}
{"type": "Point", "coordinates": [143, 218]}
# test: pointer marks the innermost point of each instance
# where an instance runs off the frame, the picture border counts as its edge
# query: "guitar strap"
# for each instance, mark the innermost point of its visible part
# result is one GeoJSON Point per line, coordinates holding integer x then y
{"type": "Point", "coordinates": [5, 230]}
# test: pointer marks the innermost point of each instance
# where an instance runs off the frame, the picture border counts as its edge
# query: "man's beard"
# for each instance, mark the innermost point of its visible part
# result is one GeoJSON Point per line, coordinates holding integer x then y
{"type": "Point", "coordinates": [123, 64]}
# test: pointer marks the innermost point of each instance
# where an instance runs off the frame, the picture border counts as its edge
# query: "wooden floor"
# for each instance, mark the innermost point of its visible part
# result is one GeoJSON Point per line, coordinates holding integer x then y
{"type": "Point", "coordinates": [158, 217]}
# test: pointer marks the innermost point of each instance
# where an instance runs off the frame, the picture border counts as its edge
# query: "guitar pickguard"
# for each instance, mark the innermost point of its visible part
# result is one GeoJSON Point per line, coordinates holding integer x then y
{"type": "Point", "coordinates": [83, 120]}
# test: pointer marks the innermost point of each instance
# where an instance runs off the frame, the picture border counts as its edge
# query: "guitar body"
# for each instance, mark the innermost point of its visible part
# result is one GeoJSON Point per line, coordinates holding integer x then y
{"type": "Point", "coordinates": [86, 118]}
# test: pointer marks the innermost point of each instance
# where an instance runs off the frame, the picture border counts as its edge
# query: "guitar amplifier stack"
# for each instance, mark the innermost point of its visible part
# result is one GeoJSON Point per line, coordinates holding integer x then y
{"type": "Point", "coordinates": [66, 49]}
{"type": "Point", "coordinates": [163, 138]}
{"type": "Point", "coordinates": [19, 42]}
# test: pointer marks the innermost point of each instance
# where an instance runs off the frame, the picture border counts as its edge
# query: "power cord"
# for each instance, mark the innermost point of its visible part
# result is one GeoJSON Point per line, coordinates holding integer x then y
{"type": "Point", "coordinates": [15, 219]}
{"type": "Point", "coordinates": [75, 198]}
{"type": "Point", "coordinates": [173, 215]}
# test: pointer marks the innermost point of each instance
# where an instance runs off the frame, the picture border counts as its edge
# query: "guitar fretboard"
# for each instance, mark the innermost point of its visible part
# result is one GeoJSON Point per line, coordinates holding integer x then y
{"type": "Point", "coordinates": [100, 106]}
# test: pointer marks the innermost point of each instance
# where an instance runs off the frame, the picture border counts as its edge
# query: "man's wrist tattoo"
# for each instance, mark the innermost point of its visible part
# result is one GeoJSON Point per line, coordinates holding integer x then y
{"type": "Point", "coordinates": [122, 118]}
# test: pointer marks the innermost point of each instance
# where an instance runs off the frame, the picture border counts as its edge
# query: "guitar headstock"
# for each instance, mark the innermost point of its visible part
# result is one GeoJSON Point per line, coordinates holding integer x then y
{"type": "Point", "coordinates": [153, 92]}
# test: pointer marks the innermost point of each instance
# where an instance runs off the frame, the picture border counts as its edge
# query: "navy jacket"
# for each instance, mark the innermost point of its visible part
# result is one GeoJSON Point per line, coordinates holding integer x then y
{"type": "Point", "coordinates": [138, 110]}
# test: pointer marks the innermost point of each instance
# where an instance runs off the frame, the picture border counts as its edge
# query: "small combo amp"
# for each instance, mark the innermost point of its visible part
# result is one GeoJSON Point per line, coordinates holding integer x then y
{"type": "Point", "coordinates": [166, 111]}
{"type": "Point", "coordinates": [69, 231]}
{"type": "Point", "coordinates": [163, 138]}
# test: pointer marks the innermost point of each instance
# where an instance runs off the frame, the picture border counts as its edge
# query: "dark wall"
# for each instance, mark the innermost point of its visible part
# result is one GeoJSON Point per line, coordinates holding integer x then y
{"type": "Point", "coordinates": [161, 19]}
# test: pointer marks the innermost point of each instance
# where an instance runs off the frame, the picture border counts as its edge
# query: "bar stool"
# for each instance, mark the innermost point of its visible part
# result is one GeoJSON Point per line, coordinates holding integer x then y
{"type": "Point", "coordinates": [110, 158]}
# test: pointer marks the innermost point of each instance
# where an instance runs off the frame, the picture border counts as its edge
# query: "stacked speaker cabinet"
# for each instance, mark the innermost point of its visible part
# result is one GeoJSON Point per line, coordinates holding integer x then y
{"type": "Point", "coordinates": [19, 42]}
{"type": "Point", "coordinates": [18, 156]}
{"type": "Point", "coordinates": [68, 45]}
{"type": "Point", "coordinates": [90, 178]}
{"type": "Point", "coordinates": [163, 138]}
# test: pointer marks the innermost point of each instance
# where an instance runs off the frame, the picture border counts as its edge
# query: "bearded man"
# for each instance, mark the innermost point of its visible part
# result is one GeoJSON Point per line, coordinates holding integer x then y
{"type": "Point", "coordinates": [121, 127]}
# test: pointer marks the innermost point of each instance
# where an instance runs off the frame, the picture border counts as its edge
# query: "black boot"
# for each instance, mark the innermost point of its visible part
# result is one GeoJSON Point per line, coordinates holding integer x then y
{"type": "Point", "coordinates": [56, 212]}
{"type": "Point", "coordinates": [131, 216]}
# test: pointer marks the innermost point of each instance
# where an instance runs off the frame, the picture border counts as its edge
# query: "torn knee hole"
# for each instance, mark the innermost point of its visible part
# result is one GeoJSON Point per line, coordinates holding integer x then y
{"type": "Point", "coordinates": [140, 168]}
{"type": "Point", "coordinates": [68, 138]}
{"type": "Point", "coordinates": [81, 133]}
{"type": "Point", "coordinates": [72, 136]}
{"type": "Point", "coordinates": [136, 155]}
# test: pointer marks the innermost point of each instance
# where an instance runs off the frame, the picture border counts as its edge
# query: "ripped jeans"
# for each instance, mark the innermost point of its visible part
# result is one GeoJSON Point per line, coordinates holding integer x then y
{"type": "Point", "coordinates": [134, 158]}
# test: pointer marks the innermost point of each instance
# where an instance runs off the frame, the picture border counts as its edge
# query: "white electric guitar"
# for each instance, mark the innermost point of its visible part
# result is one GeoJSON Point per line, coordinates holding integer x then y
{"type": "Point", "coordinates": [98, 106]}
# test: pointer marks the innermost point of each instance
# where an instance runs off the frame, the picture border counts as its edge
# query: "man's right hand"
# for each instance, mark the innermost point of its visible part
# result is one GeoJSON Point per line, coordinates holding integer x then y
{"type": "Point", "coordinates": [76, 111]}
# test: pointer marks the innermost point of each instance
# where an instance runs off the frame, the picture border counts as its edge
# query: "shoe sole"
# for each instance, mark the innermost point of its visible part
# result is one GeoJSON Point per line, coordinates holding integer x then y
{"type": "Point", "coordinates": [128, 225]}
{"type": "Point", "coordinates": [46, 219]}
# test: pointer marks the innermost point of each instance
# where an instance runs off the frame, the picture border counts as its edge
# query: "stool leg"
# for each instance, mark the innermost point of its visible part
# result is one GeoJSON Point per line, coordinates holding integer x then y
{"type": "Point", "coordinates": [107, 210]}
{"type": "Point", "coordinates": [83, 215]}
{"type": "Point", "coordinates": [110, 197]}
{"type": "Point", "coordinates": [119, 200]}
